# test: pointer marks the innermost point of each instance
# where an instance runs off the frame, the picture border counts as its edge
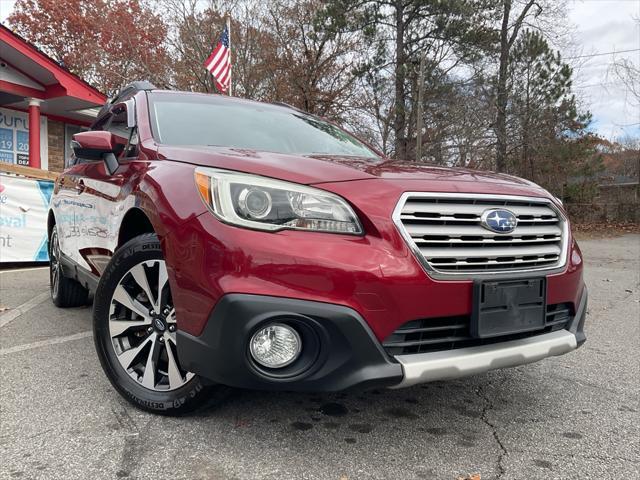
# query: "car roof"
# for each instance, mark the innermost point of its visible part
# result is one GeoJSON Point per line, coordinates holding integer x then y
{"type": "Point", "coordinates": [135, 88]}
{"type": "Point", "coordinates": [224, 98]}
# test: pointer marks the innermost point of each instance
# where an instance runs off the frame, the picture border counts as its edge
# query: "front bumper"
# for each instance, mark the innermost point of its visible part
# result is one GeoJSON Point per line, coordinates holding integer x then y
{"type": "Point", "coordinates": [428, 367]}
{"type": "Point", "coordinates": [348, 354]}
{"type": "Point", "coordinates": [345, 351]}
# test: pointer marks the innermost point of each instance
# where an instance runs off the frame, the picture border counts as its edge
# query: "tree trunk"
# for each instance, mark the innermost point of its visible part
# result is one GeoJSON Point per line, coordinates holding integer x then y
{"type": "Point", "coordinates": [419, 114]}
{"type": "Point", "coordinates": [502, 95]}
{"type": "Point", "coordinates": [399, 123]}
{"type": "Point", "coordinates": [526, 132]}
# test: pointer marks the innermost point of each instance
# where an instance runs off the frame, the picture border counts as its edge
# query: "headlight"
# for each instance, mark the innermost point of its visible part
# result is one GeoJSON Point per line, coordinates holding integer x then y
{"type": "Point", "coordinates": [266, 204]}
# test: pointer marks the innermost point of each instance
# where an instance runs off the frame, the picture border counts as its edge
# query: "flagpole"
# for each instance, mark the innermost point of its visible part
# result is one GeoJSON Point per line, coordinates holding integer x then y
{"type": "Point", "coordinates": [230, 68]}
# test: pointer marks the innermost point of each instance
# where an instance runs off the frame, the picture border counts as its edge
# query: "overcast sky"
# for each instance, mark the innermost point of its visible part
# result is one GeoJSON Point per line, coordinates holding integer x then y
{"type": "Point", "coordinates": [600, 27]}
{"type": "Point", "coordinates": [603, 26]}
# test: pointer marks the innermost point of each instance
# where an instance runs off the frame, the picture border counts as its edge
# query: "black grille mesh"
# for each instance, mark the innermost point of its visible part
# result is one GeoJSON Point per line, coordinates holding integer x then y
{"type": "Point", "coordinates": [448, 333]}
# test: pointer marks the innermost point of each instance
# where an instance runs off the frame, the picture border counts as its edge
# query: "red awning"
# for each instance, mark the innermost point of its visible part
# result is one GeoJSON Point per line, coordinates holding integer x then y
{"type": "Point", "coordinates": [26, 72]}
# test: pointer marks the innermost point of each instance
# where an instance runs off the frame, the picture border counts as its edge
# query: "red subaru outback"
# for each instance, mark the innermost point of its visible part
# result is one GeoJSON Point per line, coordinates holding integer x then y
{"type": "Point", "coordinates": [231, 242]}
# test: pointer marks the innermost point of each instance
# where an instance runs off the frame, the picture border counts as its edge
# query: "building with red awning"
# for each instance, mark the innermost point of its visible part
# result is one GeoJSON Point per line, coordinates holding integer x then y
{"type": "Point", "coordinates": [42, 104]}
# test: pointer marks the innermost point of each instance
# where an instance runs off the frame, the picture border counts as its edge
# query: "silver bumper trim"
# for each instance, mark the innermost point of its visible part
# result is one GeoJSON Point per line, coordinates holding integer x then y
{"type": "Point", "coordinates": [427, 367]}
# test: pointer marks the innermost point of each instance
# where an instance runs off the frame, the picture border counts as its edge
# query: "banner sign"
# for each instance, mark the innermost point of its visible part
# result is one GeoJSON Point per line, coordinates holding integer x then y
{"type": "Point", "coordinates": [14, 138]}
{"type": "Point", "coordinates": [24, 204]}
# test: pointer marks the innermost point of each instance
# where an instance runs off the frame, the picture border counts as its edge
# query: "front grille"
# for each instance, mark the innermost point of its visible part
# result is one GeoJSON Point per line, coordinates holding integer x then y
{"type": "Point", "coordinates": [448, 333]}
{"type": "Point", "coordinates": [446, 233]}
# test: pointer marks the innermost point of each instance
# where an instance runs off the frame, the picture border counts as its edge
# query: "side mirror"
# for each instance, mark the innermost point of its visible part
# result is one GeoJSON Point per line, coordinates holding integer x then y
{"type": "Point", "coordinates": [97, 145]}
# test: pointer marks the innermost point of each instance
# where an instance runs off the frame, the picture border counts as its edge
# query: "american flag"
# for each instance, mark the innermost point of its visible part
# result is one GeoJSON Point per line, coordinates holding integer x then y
{"type": "Point", "coordinates": [219, 62]}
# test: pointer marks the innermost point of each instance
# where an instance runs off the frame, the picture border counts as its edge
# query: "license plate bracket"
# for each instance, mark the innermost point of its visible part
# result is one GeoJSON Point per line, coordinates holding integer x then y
{"type": "Point", "coordinates": [504, 307]}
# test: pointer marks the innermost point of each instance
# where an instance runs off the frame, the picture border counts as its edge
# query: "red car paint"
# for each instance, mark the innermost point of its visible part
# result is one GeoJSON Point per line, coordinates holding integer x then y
{"type": "Point", "coordinates": [376, 274]}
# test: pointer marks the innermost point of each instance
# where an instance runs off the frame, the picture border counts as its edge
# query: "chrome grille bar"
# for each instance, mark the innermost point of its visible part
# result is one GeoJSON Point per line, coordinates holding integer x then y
{"type": "Point", "coordinates": [445, 232]}
{"type": "Point", "coordinates": [476, 209]}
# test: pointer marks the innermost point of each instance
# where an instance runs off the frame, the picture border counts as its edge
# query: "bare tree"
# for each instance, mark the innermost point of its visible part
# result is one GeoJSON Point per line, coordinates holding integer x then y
{"type": "Point", "coordinates": [311, 67]}
{"type": "Point", "coordinates": [508, 34]}
{"type": "Point", "coordinates": [628, 72]}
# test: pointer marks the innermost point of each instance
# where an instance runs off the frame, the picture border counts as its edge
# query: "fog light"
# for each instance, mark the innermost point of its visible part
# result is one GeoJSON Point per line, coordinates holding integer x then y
{"type": "Point", "coordinates": [275, 346]}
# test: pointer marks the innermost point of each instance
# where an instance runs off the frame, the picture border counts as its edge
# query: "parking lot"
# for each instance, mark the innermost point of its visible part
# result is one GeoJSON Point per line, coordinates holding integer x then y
{"type": "Point", "coordinates": [575, 416]}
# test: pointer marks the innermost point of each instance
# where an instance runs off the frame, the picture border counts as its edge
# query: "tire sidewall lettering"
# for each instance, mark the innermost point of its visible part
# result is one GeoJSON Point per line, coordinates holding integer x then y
{"type": "Point", "coordinates": [184, 398]}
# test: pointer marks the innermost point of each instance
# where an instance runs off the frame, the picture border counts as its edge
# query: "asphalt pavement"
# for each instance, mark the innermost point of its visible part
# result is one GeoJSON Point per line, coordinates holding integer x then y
{"type": "Point", "coordinates": [570, 417]}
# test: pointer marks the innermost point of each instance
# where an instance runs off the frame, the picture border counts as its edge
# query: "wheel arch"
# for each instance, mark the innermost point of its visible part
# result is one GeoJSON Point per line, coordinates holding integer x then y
{"type": "Point", "coordinates": [134, 223]}
{"type": "Point", "coordinates": [51, 221]}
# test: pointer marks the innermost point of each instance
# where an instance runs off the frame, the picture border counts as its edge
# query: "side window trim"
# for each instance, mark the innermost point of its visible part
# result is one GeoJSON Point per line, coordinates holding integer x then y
{"type": "Point", "coordinates": [126, 152]}
{"type": "Point", "coordinates": [129, 106]}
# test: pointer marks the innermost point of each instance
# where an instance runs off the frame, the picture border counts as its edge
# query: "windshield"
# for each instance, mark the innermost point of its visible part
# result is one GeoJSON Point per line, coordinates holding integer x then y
{"type": "Point", "coordinates": [212, 120]}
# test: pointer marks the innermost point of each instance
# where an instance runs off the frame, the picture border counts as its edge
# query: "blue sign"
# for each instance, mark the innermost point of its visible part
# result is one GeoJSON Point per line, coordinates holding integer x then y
{"type": "Point", "coordinates": [15, 146]}
{"type": "Point", "coordinates": [6, 139]}
{"type": "Point", "coordinates": [22, 138]}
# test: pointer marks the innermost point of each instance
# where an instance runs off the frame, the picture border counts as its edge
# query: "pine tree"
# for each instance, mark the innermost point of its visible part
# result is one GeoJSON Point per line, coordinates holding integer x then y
{"type": "Point", "coordinates": [546, 128]}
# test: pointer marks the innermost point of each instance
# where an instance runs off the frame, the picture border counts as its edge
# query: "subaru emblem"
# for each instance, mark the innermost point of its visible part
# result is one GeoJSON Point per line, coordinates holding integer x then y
{"type": "Point", "coordinates": [499, 220]}
{"type": "Point", "coordinates": [159, 324]}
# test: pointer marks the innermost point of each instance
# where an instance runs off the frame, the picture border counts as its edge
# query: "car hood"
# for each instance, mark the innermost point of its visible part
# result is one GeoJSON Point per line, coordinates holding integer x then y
{"type": "Point", "coordinates": [327, 168]}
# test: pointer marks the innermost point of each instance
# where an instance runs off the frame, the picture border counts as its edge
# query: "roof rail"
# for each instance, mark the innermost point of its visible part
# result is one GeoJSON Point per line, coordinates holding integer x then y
{"type": "Point", "coordinates": [126, 92]}
{"type": "Point", "coordinates": [132, 88]}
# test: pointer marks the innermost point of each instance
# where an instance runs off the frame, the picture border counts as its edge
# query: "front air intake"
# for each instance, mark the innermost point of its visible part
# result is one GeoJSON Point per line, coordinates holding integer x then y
{"type": "Point", "coordinates": [450, 333]}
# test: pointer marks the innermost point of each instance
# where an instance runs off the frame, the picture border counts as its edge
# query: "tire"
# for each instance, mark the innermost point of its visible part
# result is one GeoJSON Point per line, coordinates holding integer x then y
{"type": "Point", "coordinates": [65, 292]}
{"type": "Point", "coordinates": [134, 333]}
